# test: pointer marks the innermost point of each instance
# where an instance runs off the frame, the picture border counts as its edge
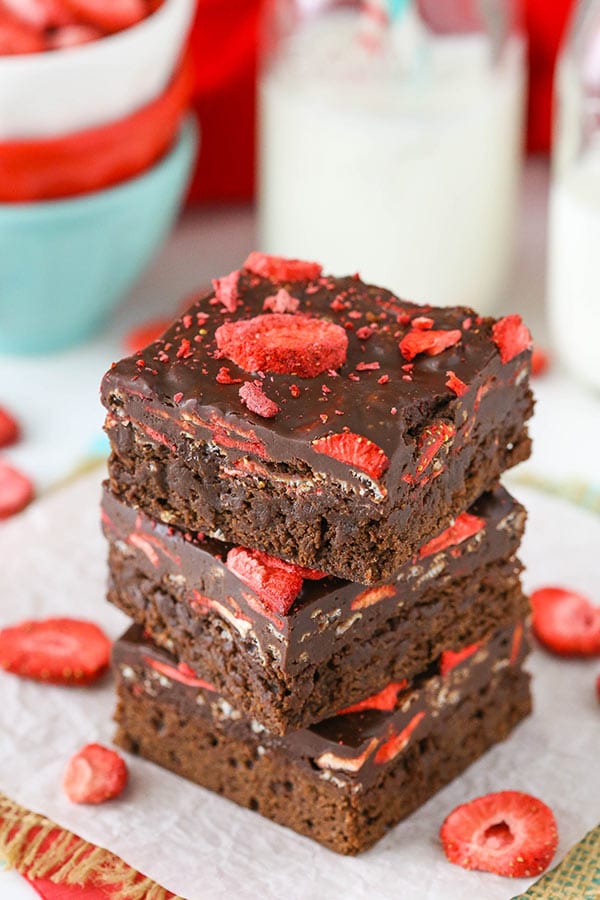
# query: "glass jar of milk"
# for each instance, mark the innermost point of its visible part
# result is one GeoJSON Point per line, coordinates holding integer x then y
{"type": "Point", "coordinates": [574, 244]}
{"type": "Point", "coordinates": [390, 142]}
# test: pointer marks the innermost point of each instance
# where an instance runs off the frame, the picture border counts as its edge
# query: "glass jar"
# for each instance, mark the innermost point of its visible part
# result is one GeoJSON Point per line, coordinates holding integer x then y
{"type": "Point", "coordinates": [390, 141]}
{"type": "Point", "coordinates": [574, 236]}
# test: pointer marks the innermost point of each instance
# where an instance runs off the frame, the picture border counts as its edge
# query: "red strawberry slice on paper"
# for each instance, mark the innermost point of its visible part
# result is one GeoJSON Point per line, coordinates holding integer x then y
{"type": "Point", "coordinates": [94, 775]}
{"type": "Point", "coordinates": [279, 268]}
{"type": "Point", "coordinates": [276, 582]}
{"type": "Point", "coordinates": [108, 15]}
{"type": "Point", "coordinates": [16, 491]}
{"type": "Point", "coordinates": [9, 428]}
{"type": "Point", "coordinates": [509, 833]}
{"type": "Point", "coordinates": [566, 622]}
{"type": "Point", "coordinates": [59, 651]}
{"type": "Point", "coordinates": [354, 450]}
{"type": "Point", "coordinates": [283, 343]}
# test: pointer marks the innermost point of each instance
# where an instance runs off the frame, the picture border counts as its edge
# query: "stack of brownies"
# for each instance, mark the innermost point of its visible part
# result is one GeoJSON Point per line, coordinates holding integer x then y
{"type": "Point", "coordinates": [305, 525]}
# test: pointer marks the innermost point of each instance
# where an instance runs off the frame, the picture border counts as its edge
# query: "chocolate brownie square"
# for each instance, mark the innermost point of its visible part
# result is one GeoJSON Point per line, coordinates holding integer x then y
{"type": "Point", "coordinates": [288, 646]}
{"type": "Point", "coordinates": [319, 419]}
{"type": "Point", "coordinates": [346, 781]}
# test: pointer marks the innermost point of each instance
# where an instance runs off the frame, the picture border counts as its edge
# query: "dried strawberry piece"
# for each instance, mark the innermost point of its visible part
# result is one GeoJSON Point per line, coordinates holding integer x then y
{"type": "Point", "coordinates": [566, 622]}
{"type": "Point", "coordinates": [281, 302]}
{"type": "Point", "coordinates": [423, 323]}
{"type": "Point", "coordinates": [511, 337]}
{"type": "Point", "coordinates": [94, 775]}
{"type": "Point", "coordinates": [287, 344]}
{"type": "Point", "coordinates": [57, 650]}
{"type": "Point", "coordinates": [397, 742]}
{"type": "Point", "coordinates": [354, 450]}
{"type": "Point", "coordinates": [428, 342]}
{"type": "Point", "coordinates": [224, 376]}
{"type": "Point", "coordinates": [276, 582]}
{"type": "Point", "coordinates": [226, 290]}
{"type": "Point", "coordinates": [9, 428]}
{"type": "Point", "coordinates": [181, 673]}
{"type": "Point", "coordinates": [139, 337]}
{"type": "Point", "coordinates": [449, 659]}
{"type": "Point", "coordinates": [108, 16]}
{"type": "Point", "coordinates": [432, 438]}
{"type": "Point", "coordinates": [464, 526]}
{"type": "Point", "coordinates": [372, 596]}
{"type": "Point", "coordinates": [509, 833]}
{"type": "Point", "coordinates": [16, 491]}
{"type": "Point", "coordinates": [384, 700]}
{"type": "Point", "coordinates": [540, 361]}
{"type": "Point", "coordinates": [279, 268]}
{"type": "Point", "coordinates": [257, 401]}
{"type": "Point", "coordinates": [454, 383]}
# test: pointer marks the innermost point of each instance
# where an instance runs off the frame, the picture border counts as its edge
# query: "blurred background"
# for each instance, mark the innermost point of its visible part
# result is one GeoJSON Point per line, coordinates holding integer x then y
{"type": "Point", "coordinates": [447, 149]}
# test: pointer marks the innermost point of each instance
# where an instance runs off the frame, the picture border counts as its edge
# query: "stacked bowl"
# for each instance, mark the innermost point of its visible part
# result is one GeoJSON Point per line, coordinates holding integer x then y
{"type": "Point", "coordinates": [95, 155]}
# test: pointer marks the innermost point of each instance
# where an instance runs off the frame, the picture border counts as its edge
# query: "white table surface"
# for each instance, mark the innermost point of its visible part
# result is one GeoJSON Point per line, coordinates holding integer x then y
{"type": "Point", "coordinates": [56, 396]}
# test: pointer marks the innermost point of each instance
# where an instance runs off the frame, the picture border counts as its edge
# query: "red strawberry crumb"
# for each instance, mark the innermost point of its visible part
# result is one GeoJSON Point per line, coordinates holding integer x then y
{"type": "Point", "coordinates": [353, 377]}
{"type": "Point", "coordinates": [276, 582]}
{"type": "Point", "coordinates": [294, 390]}
{"type": "Point", "coordinates": [355, 314]}
{"type": "Point", "coordinates": [565, 622]}
{"type": "Point", "coordinates": [508, 833]}
{"type": "Point", "coordinates": [383, 379]}
{"type": "Point", "coordinates": [16, 491]}
{"type": "Point", "coordinates": [454, 383]}
{"type": "Point", "coordinates": [540, 361]}
{"type": "Point", "coordinates": [288, 344]}
{"type": "Point", "coordinates": [337, 304]}
{"type": "Point", "coordinates": [58, 650]}
{"type": "Point", "coordinates": [364, 333]}
{"type": "Point", "coordinates": [464, 527]}
{"type": "Point", "coordinates": [279, 268]}
{"type": "Point", "coordinates": [515, 644]}
{"type": "Point", "coordinates": [429, 342]}
{"type": "Point", "coordinates": [423, 323]}
{"type": "Point", "coordinates": [433, 437]}
{"type": "Point", "coordinates": [140, 363]}
{"type": "Point", "coordinates": [511, 337]}
{"type": "Point", "coordinates": [181, 673]}
{"type": "Point", "coordinates": [450, 658]}
{"type": "Point", "coordinates": [367, 367]}
{"type": "Point", "coordinates": [466, 324]}
{"type": "Point", "coordinates": [354, 450]}
{"type": "Point", "coordinates": [226, 291]}
{"type": "Point", "coordinates": [257, 401]}
{"type": "Point", "coordinates": [384, 700]}
{"type": "Point", "coordinates": [9, 428]}
{"type": "Point", "coordinates": [94, 775]}
{"type": "Point", "coordinates": [178, 397]}
{"type": "Point", "coordinates": [281, 302]}
{"type": "Point", "coordinates": [223, 376]}
{"type": "Point", "coordinates": [407, 367]}
{"type": "Point", "coordinates": [397, 742]}
{"type": "Point", "coordinates": [138, 338]}
{"type": "Point", "coordinates": [184, 350]}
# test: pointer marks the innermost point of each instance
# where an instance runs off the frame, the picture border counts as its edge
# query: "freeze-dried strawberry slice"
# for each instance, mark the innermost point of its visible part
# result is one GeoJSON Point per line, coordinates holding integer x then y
{"type": "Point", "coordinates": [355, 450]}
{"type": "Point", "coordinates": [511, 337]}
{"type": "Point", "coordinates": [181, 673]}
{"type": "Point", "coordinates": [464, 527]}
{"type": "Point", "coordinates": [94, 775]}
{"type": "Point", "coordinates": [509, 833]}
{"type": "Point", "coordinates": [9, 428]}
{"type": "Point", "coordinates": [60, 651]}
{"type": "Point", "coordinates": [139, 337]}
{"type": "Point", "coordinates": [454, 383]}
{"type": "Point", "coordinates": [226, 290]}
{"type": "Point", "coordinates": [450, 658]}
{"type": "Point", "coordinates": [397, 742]}
{"type": "Point", "coordinates": [108, 15]}
{"type": "Point", "coordinates": [432, 438]}
{"type": "Point", "coordinates": [276, 582]}
{"type": "Point", "coordinates": [287, 344]}
{"type": "Point", "coordinates": [279, 268]}
{"type": "Point", "coordinates": [257, 401]}
{"type": "Point", "coordinates": [429, 342]}
{"type": "Point", "coordinates": [16, 491]}
{"type": "Point", "coordinates": [565, 622]}
{"type": "Point", "coordinates": [384, 700]}
{"type": "Point", "coordinates": [281, 302]}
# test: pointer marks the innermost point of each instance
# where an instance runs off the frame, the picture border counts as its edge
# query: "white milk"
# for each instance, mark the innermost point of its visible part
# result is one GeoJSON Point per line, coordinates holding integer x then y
{"type": "Point", "coordinates": [410, 181]}
{"type": "Point", "coordinates": [574, 267]}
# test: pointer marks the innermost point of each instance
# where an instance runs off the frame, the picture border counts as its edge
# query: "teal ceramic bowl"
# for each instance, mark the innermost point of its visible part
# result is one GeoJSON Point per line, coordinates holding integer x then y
{"type": "Point", "coordinates": [65, 264]}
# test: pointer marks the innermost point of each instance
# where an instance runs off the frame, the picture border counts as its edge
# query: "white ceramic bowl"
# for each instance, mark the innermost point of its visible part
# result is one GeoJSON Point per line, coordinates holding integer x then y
{"type": "Point", "coordinates": [54, 93]}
